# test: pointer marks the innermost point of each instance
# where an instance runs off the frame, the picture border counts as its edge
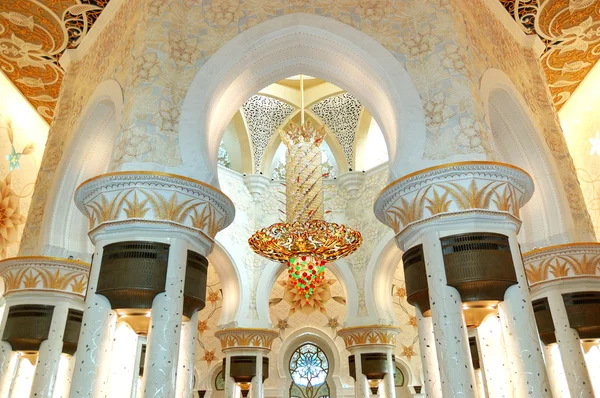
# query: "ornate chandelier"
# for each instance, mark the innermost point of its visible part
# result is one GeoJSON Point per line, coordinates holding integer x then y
{"type": "Point", "coordinates": [305, 242]}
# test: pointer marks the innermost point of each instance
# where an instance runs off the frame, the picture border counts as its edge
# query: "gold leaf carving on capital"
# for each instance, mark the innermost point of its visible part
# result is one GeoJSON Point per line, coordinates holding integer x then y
{"type": "Point", "coordinates": [55, 275]}
{"type": "Point", "coordinates": [562, 261]}
{"type": "Point", "coordinates": [453, 188]}
{"type": "Point", "coordinates": [246, 338]}
{"type": "Point", "coordinates": [369, 335]}
{"type": "Point", "coordinates": [148, 197]}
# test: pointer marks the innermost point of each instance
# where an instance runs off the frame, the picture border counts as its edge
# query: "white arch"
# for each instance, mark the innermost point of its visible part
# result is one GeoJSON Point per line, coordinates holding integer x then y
{"type": "Point", "coordinates": [547, 217]}
{"type": "Point", "coordinates": [229, 279]}
{"type": "Point", "coordinates": [382, 265]}
{"type": "Point", "coordinates": [294, 44]}
{"type": "Point", "coordinates": [88, 154]}
{"type": "Point", "coordinates": [324, 342]}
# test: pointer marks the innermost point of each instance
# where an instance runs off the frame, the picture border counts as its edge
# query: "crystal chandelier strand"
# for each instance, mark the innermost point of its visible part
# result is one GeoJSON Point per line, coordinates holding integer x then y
{"type": "Point", "coordinates": [304, 183]}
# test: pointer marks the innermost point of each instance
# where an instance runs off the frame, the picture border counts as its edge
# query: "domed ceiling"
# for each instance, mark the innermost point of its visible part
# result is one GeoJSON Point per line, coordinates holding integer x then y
{"type": "Point", "coordinates": [35, 33]}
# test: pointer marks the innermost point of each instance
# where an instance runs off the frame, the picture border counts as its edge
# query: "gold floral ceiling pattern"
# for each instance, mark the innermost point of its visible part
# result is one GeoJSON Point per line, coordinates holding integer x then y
{"type": "Point", "coordinates": [33, 36]}
{"type": "Point", "coordinates": [571, 31]}
{"type": "Point", "coordinates": [35, 33]}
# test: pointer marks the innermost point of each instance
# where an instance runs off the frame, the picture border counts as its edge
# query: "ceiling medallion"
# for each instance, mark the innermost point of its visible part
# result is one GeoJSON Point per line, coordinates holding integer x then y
{"type": "Point", "coordinates": [306, 241]}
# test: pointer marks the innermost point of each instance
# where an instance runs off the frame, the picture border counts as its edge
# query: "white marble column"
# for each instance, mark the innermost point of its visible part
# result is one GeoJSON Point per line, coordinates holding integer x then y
{"type": "Point", "coordinates": [9, 361]}
{"type": "Point", "coordinates": [65, 372]}
{"type": "Point", "coordinates": [230, 386]}
{"type": "Point", "coordinates": [450, 331]}
{"type": "Point", "coordinates": [257, 387]}
{"type": "Point", "coordinates": [431, 371]}
{"type": "Point", "coordinates": [123, 359]}
{"type": "Point", "coordinates": [136, 388]}
{"type": "Point", "coordinates": [162, 350]}
{"type": "Point", "coordinates": [187, 351]}
{"type": "Point", "coordinates": [528, 371]}
{"type": "Point", "coordinates": [46, 370]}
{"type": "Point", "coordinates": [556, 372]}
{"type": "Point", "coordinates": [361, 385]}
{"type": "Point", "coordinates": [569, 345]}
{"type": "Point", "coordinates": [492, 358]}
{"type": "Point", "coordinates": [21, 383]}
{"type": "Point", "coordinates": [95, 339]}
{"type": "Point", "coordinates": [389, 384]}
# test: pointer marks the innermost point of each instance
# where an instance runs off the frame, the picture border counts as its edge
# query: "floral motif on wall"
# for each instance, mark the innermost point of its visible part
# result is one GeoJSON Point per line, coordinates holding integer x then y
{"type": "Point", "coordinates": [570, 29]}
{"type": "Point", "coordinates": [290, 309]}
{"type": "Point", "coordinates": [208, 347]}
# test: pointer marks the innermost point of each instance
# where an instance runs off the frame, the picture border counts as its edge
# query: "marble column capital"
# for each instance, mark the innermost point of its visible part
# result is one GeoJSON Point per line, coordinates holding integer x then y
{"type": "Point", "coordinates": [550, 265]}
{"type": "Point", "coordinates": [238, 339]}
{"type": "Point", "coordinates": [130, 201]}
{"type": "Point", "coordinates": [41, 274]}
{"type": "Point", "coordinates": [375, 337]}
{"type": "Point", "coordinates": [474, 191]}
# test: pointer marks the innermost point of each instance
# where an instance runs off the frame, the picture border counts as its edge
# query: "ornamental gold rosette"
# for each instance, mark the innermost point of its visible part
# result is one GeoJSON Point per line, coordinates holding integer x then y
{"type": "Point", "coordinates": [40, 273]}
{"type": "Point", "coordinates": [306, 241]}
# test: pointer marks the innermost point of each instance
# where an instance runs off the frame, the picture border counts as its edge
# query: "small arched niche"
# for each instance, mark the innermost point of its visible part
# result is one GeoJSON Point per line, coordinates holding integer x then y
{"type": "Point", "coordinates": [87, 154]}
{"type": "Point", "coordinates": [516, 139]}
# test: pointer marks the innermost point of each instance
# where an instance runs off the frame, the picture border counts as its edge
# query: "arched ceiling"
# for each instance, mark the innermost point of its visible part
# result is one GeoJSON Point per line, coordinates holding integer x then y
{"type": "Point", "coordinates": [35, 33]}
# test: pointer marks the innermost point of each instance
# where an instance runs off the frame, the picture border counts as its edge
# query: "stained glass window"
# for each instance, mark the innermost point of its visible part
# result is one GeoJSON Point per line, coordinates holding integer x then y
{"type": "Point", "coordinates": [309, 368]}
{"type": "Point", "coordinates": [398, 377]}
{"type": "Point", "coordinates": [220, 382]}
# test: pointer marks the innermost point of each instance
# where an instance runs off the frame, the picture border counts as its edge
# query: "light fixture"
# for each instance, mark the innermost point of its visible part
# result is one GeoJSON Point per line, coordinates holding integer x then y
{"type": "Point", "coordinates": [306, 242]}
{"type": "Point", "coordinates": [475, 312]}
{"type": "Point", "coordinates": [137, 318]}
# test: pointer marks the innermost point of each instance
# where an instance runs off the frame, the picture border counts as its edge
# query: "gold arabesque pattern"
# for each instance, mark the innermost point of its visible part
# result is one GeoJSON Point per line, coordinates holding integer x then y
{"type": "Point", "coordinates": [33, 36]}
{"type": "Point", "coordinates": [570, 29]}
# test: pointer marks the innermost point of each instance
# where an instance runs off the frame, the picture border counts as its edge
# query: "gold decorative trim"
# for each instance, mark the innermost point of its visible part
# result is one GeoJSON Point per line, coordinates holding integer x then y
{"type": "Point", "coordinates": [369, 335]}
{"type": "Point", "coordinates": [246, 338]}
{"type": "Point", "coordinates": [45, 258]}
{"type": "Point", "coordinates": [451, 189]}
{"type": "Point", "coordinates": [154, 173]}
{"type": "Point", "coordinates": [560, 262]}
{"type": "Point", "coordinates": [448, 165]}
{"type": "Point", "coordinates": [152, 196]}
{"type": "Point", "coordinates": [39, 273]}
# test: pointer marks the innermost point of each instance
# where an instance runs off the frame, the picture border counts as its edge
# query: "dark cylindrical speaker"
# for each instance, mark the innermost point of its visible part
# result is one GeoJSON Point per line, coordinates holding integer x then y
{"type": "Point", "coordinates": [72, 328]}
{"type": "Point", "coordinates": [415, 275]}
{"type": "Point", "coordinates": [27, 326]}
{"type": "Point", "coordinates": [194, 292]}
{"type": "Point", "coordinates": [544, 321]}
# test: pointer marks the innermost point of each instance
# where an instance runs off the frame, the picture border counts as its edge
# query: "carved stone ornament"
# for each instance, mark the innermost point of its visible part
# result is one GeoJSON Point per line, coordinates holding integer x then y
{"type": "Point", "coordinates": [369, 335]}
{"type": "Point", "coordinates": [246, 338]}
{"type": "Point", "coordinates": [44, 274]}
{"type": "Point", "coordinates": [435, 192]}
{"type": "Point", "coordinates": [153, 197]}
{"type": "Point", "coordinates": [571, 260]}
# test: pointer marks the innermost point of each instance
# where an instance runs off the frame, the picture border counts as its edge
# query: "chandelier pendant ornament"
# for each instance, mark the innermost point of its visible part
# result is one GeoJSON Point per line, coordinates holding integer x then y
{"type": "Point", "coordinates": [305, 242]}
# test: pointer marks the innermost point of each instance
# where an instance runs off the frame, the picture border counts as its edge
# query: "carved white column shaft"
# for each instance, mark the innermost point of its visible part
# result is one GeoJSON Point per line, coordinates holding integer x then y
{"type": "Point", "coordinates": [46, 370]}
{"type": "Point", "coordinates": [569, 346]}
{"type": "Point", "coordinates": [388, 380]}
{"type": "Point", "coordinates": [187, 351]}
{"type": "Point", "coordinates": [257, 388]}
{"type": "Point", "coordinates": [95, 338]}
{"type": "Point", "coordinates": [8, 367]}
{"type": "Point", "coordinates": [492, 354]}
{"type": "Point", "coordinates": [230, 386]}
{"type": "Point", "coordinates": [162, 350]}
{"type": "Point", "coordinates": [520, 333]}
{"type": "Point", "coordinates": [429, 361]}
{"type": "Point", "coordinates": [361, 385]}
{"type": "Point", "coordinates": [21, 383]}
{"type": "Point", "coordinates": [450, 330]}
{"type": "Point", "coordinates": [123, 359]}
